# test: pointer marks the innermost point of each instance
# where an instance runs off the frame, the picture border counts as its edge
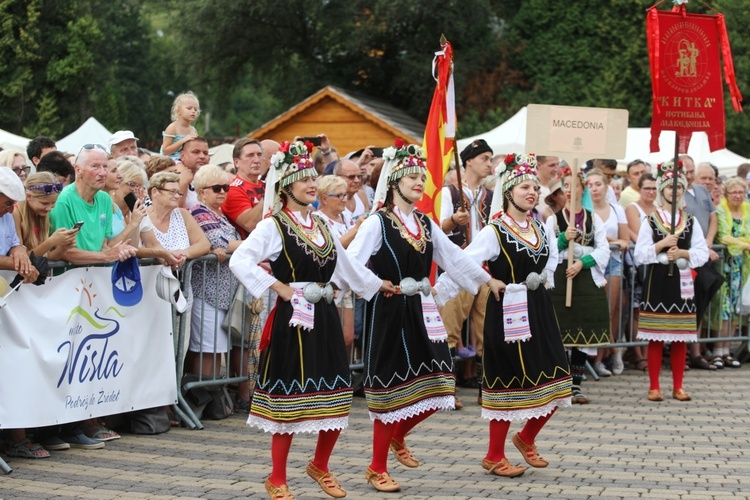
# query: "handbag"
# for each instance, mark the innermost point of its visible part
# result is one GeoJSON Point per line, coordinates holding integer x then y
{"type": "Point", "coordinates": [743, 305]}
{"type": "Point", "coordinates": [233, 320]}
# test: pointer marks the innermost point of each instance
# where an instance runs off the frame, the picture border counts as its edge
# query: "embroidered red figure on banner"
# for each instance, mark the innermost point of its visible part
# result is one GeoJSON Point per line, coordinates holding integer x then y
{"type": "Point", "coordinates": [686, 75]}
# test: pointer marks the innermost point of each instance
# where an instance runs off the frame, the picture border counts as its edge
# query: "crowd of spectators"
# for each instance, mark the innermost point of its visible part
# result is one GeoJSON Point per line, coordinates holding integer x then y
{"type": "Point", "coordinates": [177, 207]}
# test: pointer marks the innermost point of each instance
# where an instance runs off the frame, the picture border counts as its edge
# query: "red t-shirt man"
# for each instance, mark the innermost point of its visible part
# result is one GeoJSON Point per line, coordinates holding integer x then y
{"type": "Point", "coordinates": [244, 204]}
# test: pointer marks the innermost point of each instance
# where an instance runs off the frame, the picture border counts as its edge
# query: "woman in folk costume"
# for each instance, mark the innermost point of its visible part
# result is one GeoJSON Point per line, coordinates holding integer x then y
{"type": "Point", "coordinates": [585, 325]}
{"type": "Point", "coordinates": [303, 379]}
{"type": "Point", "coordinates": [668, 311]}
{"type": "Point", "coordinates": [408, 367]}
{"type": "Point", "coordinates": [526, 374]}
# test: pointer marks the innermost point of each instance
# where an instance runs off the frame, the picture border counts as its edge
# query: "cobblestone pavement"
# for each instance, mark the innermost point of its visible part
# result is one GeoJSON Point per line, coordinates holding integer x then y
{"type": "Point", "coordinates": [620, 446]}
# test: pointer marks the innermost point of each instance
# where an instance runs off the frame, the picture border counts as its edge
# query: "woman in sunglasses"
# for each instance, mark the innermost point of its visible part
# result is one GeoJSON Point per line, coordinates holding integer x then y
{"type": "Point", "coordinates": [128, 196]}
{"type": "Point", "coordinates": [213, 291]}
{"type": "Point", "coordinates": [32, 218]}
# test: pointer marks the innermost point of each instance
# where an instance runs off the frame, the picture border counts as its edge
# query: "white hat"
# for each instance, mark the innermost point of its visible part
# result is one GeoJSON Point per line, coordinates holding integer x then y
{"type": "Point", "coordinates": [168, 288]}
{"type": "Point", "coordinates": [121, 135]}
{"type": "Point", "coordinates": [11, 185]}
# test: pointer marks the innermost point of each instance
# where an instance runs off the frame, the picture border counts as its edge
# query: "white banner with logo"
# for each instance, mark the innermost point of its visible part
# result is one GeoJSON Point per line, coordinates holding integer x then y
{"type": "Point", "coordinates": [69, 351]}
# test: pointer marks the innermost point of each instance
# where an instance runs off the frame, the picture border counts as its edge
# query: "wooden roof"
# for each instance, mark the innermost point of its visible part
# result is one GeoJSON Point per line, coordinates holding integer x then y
{"type": "Point", "coordinates": [350, 120]}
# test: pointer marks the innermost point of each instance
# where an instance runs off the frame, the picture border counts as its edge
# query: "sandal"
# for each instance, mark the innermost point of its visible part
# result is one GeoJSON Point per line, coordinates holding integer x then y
{"type": "Point", "coordinates": [403, 455]}
{"type": "Point", "coordinates": [731, 362]}
{"type": "Point", "coordinates": [700, 363]}
{"type": "Point", "coordinates": [641, 364]}
{"type": "Point", "coordinates": [503, 468]}
{"type": "Point", "coordinates": [532, 457]}
{"type": "Point", "coordinates": [381, 482]}
{"type": "Point", "coordinates": [25, 449]}
{"type": "Point", "coordinates": [655, 395]}
{"type": "Point", "coordinates": [327, 481]}
{"type": "Point", "coordinates": [100, 433]}
{"type": "Point", "coordinates": [278, 493]}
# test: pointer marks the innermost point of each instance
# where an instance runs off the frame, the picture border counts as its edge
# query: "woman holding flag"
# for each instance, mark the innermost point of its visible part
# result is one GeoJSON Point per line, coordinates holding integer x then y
{"type": "Point", "coordinates": [671, 243]}
{"type": "Point", "coordinates": [526, 374]}
{"type": "Point", "coordinates": [304, 383]}
{"type": "Point", "coordinates": [408, 367]}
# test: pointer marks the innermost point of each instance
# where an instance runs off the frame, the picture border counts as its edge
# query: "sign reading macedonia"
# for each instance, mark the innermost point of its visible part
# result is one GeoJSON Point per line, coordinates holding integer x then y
{"type": "Point", "coordinates": [686, 75]}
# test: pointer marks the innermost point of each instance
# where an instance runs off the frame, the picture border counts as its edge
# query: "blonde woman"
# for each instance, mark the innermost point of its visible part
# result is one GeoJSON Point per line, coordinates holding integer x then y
{"type": "Point", "coordinates": [734, 232]}
{"type": "Point", "coordinates": [32, 218]}
{"type": "Point", "coordinates": [16, 162]}
{"type": "Point", "coordinates": [133, 179]}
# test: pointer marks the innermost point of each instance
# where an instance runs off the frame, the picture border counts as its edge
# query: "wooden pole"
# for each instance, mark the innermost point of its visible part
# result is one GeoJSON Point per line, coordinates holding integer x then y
{"type": "Point", "coordinates": [674, 191]}
{"type": "Point", "coordinates": [572, 220]}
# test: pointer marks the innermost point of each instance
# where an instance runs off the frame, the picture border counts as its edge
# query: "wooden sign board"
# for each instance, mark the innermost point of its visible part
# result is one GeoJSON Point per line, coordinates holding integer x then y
{"type": "Point", "coordinates": [576, 132]}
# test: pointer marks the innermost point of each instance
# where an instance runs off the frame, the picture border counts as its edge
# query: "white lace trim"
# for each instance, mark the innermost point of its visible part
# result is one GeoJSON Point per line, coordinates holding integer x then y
{"type": "Point", "coordinates": [668, 337]}
{"type": "Point", "coordinates": [438, 403]}
{"type": "Point", "coordinates": [309, 426]}
{"type": "Point", "coordinates": [511, 415]}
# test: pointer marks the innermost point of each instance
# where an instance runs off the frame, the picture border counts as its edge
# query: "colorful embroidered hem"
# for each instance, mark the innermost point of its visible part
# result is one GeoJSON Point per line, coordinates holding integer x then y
{"type": "Point", "coordinates": [522, 399]}
{"type": "Point", "coordinates": [542, 411]}
{"type": "Point", "coordinates": [298, 410]}
{"type": "Point", "coordinates": [438, 403]}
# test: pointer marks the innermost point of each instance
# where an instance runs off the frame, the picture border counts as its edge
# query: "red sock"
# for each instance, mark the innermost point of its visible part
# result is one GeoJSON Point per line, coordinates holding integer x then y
{"type": "Point", "coordinates": [532, 428]}
{"type": "Point", "coordinates": [280, 444]}
{"type": "Point", "coordinates": [498, 433]}
{"type": "Point", "coordinates": [677, 360]}
{"type": "Point", "coordinates": [381, 442]}
{"type": "Point", "coordinates": [404, 426]}
{"type": "Point", "coordinates": [326, 442]}
{"type": "Point", "coordinates": [655, 352]}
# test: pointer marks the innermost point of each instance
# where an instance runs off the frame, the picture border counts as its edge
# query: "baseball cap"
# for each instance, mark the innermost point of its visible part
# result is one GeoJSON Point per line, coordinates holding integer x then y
{"type": "Point", "coordinates": [121, 135]}
{"type": "Point", "coordinates": [126, 282]}
{"type": "Point", "coordinates": [11, 185]}
{"type": "Point", "coordinates": [168, 288]}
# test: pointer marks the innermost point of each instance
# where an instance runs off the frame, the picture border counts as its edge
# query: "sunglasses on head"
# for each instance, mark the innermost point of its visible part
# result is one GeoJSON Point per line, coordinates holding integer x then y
{"type": "Point", "coordinates": [94, 146]}
{"type": "Point", "coordinates": [57, 187]}
{"type": "Point", "coordinates": [90, 147]}
{"type": "Point", "coordinates": [218, 188]}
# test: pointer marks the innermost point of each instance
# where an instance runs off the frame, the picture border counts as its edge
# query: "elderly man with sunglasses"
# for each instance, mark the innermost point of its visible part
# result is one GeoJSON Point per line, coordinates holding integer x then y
{"type": "Point", "coordinates": [357, 203]}
{"type": "Point", "coordinates": [84, 201]}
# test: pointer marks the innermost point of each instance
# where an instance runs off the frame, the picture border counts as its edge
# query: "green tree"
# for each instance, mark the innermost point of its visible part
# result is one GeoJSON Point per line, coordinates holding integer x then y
{"type": "Point", "coordinates": [382, 48]}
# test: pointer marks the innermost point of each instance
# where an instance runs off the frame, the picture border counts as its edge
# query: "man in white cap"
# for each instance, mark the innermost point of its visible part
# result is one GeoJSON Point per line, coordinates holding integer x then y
{"type": "Point", "coordinates": [13, 255]}
{"type": "Point", "coordinates": [123, 143]}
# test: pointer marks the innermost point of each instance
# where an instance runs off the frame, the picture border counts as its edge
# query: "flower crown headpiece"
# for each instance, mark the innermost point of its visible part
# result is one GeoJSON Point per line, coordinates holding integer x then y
{"type": "Point", "coordinates": [567, 172]}
{"type": "Point", "coordinates": [517, 168]}
{"type": "Point", "coordinates": [406, 160]}
{"type": "Point", "coordinates": [293, 162]}
{"type": "Point", "coordinates": [665, 174]}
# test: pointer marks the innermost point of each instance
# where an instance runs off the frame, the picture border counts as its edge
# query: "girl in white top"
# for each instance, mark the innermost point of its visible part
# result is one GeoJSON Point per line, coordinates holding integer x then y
{"type": "Point", "coordinates": [616, 230]}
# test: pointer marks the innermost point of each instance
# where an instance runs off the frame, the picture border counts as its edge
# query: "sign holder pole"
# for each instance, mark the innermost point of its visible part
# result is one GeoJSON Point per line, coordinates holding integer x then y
{"type": "Point", "coordinates": [674, 191]}
{"type": "Point", "coordinates": [571, 243]}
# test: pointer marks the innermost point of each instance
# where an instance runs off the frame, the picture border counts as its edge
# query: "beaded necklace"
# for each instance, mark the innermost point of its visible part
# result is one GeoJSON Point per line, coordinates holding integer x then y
{"type": "Point", "coordinates": [305, 236]}
{"type": "Point", "coordinates": [417, 241]}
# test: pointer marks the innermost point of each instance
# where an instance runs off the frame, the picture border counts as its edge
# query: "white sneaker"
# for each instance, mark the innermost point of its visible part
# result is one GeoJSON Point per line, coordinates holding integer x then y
{"type": "Point", "coordinates": [617, 365]}
{"type": "Point", "coordinates": [600, 369]}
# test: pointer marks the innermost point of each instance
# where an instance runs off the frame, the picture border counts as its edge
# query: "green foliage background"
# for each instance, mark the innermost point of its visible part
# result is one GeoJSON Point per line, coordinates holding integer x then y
{"type": "Point", "coordinates": [123, 61]}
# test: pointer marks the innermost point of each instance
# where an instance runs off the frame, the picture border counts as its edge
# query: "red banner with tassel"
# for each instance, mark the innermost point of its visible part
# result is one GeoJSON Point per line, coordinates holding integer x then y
{"type": "Point", "coordinates": [685, 64]}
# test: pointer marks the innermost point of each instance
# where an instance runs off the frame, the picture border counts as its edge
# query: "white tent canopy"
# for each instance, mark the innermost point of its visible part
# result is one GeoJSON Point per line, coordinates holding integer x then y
{"type": "Point", "coordinates": [91, 132]}
{"type": "Point", "coordinates": [13, 142]}
{"type": "Point", "coordinates": [510, 137]}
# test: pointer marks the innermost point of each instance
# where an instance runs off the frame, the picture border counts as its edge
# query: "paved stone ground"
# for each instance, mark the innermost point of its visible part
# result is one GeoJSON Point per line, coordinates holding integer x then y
{"type": "Point", "coordinates": [620, 446]}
